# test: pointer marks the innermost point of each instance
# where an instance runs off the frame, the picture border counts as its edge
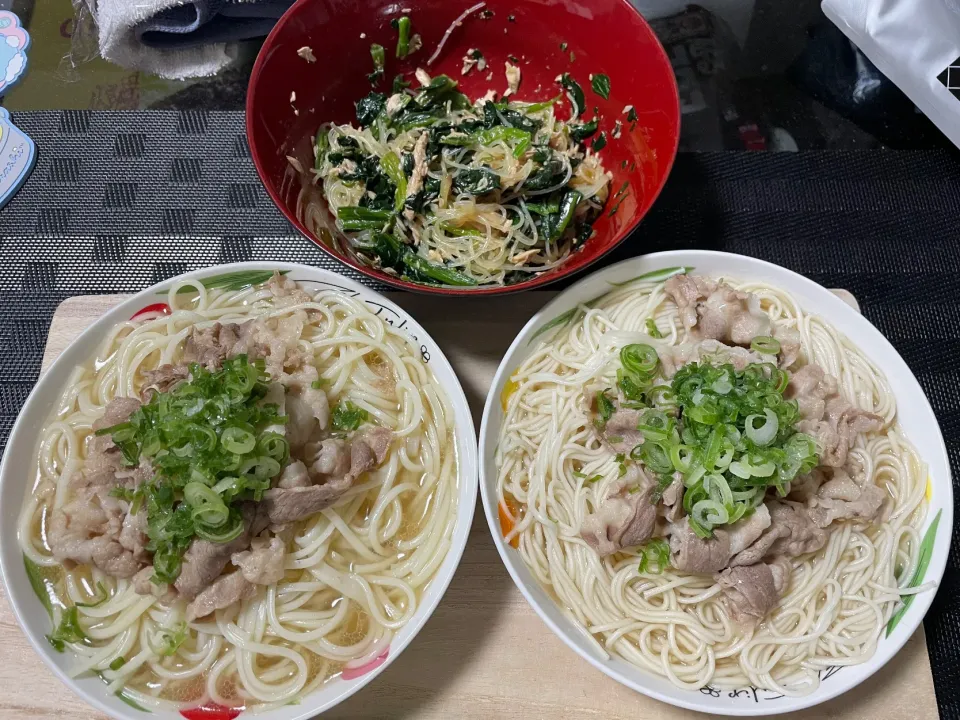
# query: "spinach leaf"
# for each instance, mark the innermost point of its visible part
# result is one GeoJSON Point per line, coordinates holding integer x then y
{"type": "Point", "coordinates": [537, 107]}
{"type": "Point", "coordinates": [429, 193]}
{"type": "Point", "coordinates": [384, 194]}
{"type": "Point", "coordinates": [366, 169]}
{"type": "Point", "coordinates": [455, 231]}
{"type": "Point", "coordinates": [393, 254]}
{"type": "Point", "coordinates": [574, 93]}
{"type": "Point", "coordinates": [476, 182]}
{"type": "Point", "coordinates": [391, 165]}
{"type": "Point", "coordinates": [438, 135]}
{"type": "Point", "coordinates": [568, 206]}
{"type": "Point", "coordinates": [354, 218]}
{"type": "Point", "coordinates": [601, 85]}
{"type": "Point", "coordinates": [402, 26]}
{"type": "Point", "coordinates": [600, 142]}
{"type": "Point", "coordinates": [379, 57]}
{"type": "Point", "coordinates": [321, 146]}
{"type": "Point", "coordinates": [584, 232]}
{"type": "Point", "coordinates": [370, 107]}
{"type": "Point", "coordinates": [548, 208]}
{"type": "Point", "coordinates": [347, 149]}
{"type": "Point", "coordinates": [490, 117]}
{"type": "Point", "coordinates": [385, 247]}
{"type": "Point", "coordinates": [585, 130]}
{"type": "Point", "coordinates": [410, 119]}
{"type": "Point", "coordinates": [419, 268]}
{"type": "Point", "coordinates": [399, 84]}
{"type": "Point", "coordinates": [519, 120]}
{"type": "Point", "coordinates": [516, 276]}
{"type": "Point", "coordinates": [552, 170]}
{"type": "Point", "coordinates": [440, 89]}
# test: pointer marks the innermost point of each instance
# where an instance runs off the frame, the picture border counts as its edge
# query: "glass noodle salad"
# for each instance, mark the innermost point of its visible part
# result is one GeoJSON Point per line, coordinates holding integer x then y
{"type": "Point", "coordinates": [437, 188]}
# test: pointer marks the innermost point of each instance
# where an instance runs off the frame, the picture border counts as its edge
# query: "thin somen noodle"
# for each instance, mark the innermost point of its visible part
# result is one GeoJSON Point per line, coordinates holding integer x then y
{"type": "Point", "coordinates": [353, 573]}
{"type": "Point", "coordinates": [556, 469]}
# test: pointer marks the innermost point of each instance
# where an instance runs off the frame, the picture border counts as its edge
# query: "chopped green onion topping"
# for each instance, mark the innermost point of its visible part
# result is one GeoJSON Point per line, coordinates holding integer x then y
{"type": "Point", "coordinates": [68, 631]}
{"type": "Point", "coordinates": [656, 552]}
{"type": "Point", "coordinates": [639, 359]}
{"type": "Point", "coordinates": [348, 416]}
{"type": "Point", "coordinates": [729, 433]}
{"type": "Point", "coordinates": [765, 345]}
{"type": "Point", "coordinates": [604, 406]}
{"type": "Point", "coordinates": [102, 597]}
{"type": "Point", "coordinates": [171, 639]}
{"type": "Point", "coordinates": [208, 444]}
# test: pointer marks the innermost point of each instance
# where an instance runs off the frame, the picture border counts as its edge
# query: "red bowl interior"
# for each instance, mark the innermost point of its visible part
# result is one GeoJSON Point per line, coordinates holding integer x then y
{"type": "Point", "coordinates": [604, 36]}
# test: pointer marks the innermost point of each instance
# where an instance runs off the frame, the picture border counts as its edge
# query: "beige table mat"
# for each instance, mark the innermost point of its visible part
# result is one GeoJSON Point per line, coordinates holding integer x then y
{"type": "Point", "coordinates": [484, 654]}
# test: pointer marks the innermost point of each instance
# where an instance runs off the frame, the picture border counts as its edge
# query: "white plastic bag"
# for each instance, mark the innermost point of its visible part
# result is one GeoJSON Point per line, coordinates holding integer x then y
{"type": "Point", "coordinates": [915, 43]}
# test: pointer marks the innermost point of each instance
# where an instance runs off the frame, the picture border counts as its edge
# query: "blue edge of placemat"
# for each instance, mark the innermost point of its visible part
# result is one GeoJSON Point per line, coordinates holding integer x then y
{"type": "Point", "coordinates": [121, 200]}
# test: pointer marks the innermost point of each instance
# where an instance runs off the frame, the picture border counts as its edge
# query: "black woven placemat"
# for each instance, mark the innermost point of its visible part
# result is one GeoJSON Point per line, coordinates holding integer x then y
{"type": "Point", "coordinates": [119, 201]}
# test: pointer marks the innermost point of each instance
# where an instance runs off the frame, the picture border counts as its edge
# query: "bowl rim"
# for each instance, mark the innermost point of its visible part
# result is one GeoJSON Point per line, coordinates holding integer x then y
{"type": "Point", "coordinates": [464, 443]}
{"type": "Point", "coordinates": [637, 679]}
{"type": "Point", "coordinates": [540, 281]}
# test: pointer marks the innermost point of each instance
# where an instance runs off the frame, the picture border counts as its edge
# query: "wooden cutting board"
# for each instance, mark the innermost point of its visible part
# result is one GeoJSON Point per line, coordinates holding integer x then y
{"type": "Point", "coordinates": [484, 654]}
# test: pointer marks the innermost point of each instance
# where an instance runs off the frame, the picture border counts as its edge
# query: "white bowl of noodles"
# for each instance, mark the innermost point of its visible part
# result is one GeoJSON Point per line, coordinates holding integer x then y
{"type": "Point", "coordinates": [664, 632]}
{"type": "Point", "coordinates": [391, 543]}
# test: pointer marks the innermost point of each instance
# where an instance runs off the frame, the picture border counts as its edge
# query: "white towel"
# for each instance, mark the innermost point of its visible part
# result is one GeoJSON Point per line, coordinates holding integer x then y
{"type": "Point", "coordinates": [179, 38]}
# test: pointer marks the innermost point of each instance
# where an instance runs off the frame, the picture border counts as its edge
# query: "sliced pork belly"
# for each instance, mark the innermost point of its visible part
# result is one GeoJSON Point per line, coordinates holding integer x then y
{"type": "Point", "coordinates": [620, 432]}
{"type": "Point", "coordinates": [336, 464]}
{"type": "Point", "coordinates": [92, 527]}
{"type": "Point", "coordinates": [223, 593]}
{"type": "Point", "coordinates": [792, 532]}
{"type": "Point", "coordinates": [750, 592]}
{"type": "Point", "coordinates": [843, 498]}
{"type": "Point", "coordinates": [624, 519]}
{"type": "Point", "coordinates": [262, 564]}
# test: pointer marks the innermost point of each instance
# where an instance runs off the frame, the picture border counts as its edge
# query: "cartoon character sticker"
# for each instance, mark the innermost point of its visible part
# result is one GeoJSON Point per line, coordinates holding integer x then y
{"type": "Point", "coordinates": [17, 151]}
{"type": "Point", "coordinates": [14, 42]}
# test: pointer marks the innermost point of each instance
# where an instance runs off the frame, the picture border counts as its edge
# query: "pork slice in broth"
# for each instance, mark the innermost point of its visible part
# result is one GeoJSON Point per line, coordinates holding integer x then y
{"type": "Point", "coordinates": [752, 591]}
{"type": "Point", "coordinates": [338, 463]}
{"type": "Point", "coordinates": [204, 560]}
{"type": "Point", "coordinates": [843, 498]}
{"type": "Point", "coordinates": [792, 532]}
{"type": "Point", "coordinates": [626, 517]}
{"type": "Point", "coordinates": [90, 527]}
{"type": "Point", "coordinates": [262, 564]}
{"type": "Point", "coordinates": [223, 593]}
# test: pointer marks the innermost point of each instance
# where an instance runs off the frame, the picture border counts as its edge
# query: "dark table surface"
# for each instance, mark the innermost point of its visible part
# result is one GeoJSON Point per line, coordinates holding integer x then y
{"type": "Point", "coordinates": [753, 75]}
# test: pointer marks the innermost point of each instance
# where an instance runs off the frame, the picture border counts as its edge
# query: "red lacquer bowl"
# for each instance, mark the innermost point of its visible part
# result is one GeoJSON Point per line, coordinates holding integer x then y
{"type": "Point", "coordinates": [289, 98]}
